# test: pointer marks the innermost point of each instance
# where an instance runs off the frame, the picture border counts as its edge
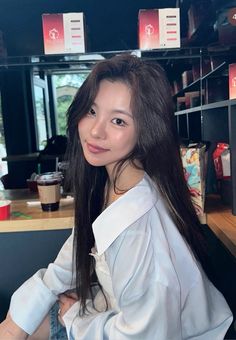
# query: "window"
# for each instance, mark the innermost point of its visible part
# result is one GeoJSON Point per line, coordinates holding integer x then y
{"type": "Point", "coordinates": [41, 112]}
{"type": "Point", "coordinates": [3, 164]}
{"type": "Point", "coordinates": [66, 86]}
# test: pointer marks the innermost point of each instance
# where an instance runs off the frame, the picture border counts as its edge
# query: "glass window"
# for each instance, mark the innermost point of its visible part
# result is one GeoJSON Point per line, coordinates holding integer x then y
{"type": "Point", "coordinates": [3, 164]}
{"type": "Point", "coordinates": [66, 86]}
{"type": "Point", "coordinates": [40, 116]}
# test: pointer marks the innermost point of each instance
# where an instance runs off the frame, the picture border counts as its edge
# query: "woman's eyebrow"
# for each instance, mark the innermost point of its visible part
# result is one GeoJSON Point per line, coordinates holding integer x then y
{"type": "Point", "coordinates": [127, 113]}
{"type": "Point", "coordinates": [122, 112]}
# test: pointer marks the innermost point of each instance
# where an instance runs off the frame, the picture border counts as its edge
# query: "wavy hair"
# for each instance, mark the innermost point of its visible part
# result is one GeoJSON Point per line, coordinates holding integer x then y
{"type": "Point", "coordinates": [157, 149]}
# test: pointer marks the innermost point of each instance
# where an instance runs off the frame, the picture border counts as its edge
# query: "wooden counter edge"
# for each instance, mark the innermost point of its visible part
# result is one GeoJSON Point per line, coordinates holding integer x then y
{"type": "Point", "coordinates": [222, 236]}
{"type": "Point", "coordinates": [36, 224]}
{"type": "Point", "coordinates": [221, 221]}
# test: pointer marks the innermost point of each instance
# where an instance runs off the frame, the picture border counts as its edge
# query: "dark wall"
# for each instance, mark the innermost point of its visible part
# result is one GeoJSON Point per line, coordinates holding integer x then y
{"type": "Point", "coordinates": [111, 25]}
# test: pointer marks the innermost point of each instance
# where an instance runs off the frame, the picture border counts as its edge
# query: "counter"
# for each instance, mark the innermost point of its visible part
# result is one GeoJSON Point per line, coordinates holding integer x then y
{"type": "Point", "coordinates": [222, 222]}
{"type": "Point", "coordinates": [30, 217]}
{"type": "Point", "coordinates": [26, 217]}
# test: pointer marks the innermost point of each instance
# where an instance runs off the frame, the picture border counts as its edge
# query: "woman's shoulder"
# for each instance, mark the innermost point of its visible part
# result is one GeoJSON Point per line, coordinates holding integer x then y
{"type": "Point", "coordinates": [125, 213]}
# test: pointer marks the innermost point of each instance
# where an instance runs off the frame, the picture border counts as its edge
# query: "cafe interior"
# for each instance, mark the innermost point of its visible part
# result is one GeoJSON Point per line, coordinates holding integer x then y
{"type": "Point", "coordinates": [37, 86]}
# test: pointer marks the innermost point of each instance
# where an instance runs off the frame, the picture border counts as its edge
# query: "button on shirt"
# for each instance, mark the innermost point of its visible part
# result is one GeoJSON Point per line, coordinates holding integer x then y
{"type": "Point", "coordinates": [154, 286]}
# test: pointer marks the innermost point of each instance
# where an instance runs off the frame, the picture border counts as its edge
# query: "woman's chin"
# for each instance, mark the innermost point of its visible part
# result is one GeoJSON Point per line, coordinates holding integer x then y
{"type": "Point", "coordinates": [93, 162]}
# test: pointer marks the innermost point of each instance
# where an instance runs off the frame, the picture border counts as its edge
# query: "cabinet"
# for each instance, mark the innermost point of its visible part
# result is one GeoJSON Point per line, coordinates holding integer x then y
{"type": "Point", "coordinates": [213, 119]}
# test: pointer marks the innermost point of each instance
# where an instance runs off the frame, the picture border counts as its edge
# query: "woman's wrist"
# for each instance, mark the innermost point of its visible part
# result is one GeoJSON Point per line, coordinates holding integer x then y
{"type": "Point", "coordinates": [14, 330]}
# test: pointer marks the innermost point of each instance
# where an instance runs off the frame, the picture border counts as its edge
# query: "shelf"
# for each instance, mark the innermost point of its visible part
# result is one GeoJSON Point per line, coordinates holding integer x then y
{"type": "Point", "coordinates": [216, 69]}
{"type": "Point", "coordinates": [216, 105]}
{"type": "Point", "coordinates": [192, 109]}
{"type": "Point", "coordinates": [187, 88]}
{"type": "Point", "coordinates": [92, 57]}
{"type": "Point", "coordinates": [198, 81]}
{"type": "Point", "coordinates": [211, 106]}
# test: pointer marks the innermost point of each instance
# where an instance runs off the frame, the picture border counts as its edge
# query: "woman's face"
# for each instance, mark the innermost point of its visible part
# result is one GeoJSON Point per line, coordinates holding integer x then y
{"type": "Point", "coordinates": [107, 132]}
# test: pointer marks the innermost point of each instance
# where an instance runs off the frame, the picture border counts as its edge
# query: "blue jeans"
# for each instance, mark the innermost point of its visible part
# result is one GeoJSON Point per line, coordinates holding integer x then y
{"type": "Point", "coordinates": [57, 331]}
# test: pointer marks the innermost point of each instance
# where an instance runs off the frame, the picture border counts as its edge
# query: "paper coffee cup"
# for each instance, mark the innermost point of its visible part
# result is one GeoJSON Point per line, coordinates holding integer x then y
{"type": "Point", "coordinates": [49, 190]}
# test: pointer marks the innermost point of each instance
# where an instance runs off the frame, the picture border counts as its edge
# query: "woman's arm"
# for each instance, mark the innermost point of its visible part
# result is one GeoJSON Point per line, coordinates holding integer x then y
{"type": "Point", "coordinates": [10, 331]}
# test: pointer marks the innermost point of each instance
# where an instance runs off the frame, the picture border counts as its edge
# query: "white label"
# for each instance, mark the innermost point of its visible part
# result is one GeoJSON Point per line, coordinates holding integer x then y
{"type": "Point", "coordinates": [49, 193]}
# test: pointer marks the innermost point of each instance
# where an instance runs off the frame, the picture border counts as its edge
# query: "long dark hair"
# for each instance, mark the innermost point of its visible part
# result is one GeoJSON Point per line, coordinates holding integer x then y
{"type": "Point", "coordinates": [157, 149]}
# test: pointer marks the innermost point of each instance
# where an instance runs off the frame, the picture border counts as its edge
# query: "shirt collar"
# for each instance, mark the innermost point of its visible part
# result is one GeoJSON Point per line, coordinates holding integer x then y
{"type": "Point", "coordinates": [123, 212]}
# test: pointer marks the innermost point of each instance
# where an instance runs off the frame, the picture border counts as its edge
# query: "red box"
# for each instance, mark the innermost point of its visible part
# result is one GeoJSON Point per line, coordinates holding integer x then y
{"type": "Point", "coordinates": [63, 33]}
{"type": "Point", "coordinates": [159, 28]}
{"type": "Point", "coordinates": [232, 81]}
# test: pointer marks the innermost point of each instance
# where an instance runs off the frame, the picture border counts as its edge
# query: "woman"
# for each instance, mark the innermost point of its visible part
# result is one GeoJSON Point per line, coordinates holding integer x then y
{"type": "Point", "coordinates": [136, 255]}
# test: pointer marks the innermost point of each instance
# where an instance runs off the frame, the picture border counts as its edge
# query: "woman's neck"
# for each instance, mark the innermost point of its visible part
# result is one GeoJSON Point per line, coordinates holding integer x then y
{"type": "Point", "coordinates": [127, 178]}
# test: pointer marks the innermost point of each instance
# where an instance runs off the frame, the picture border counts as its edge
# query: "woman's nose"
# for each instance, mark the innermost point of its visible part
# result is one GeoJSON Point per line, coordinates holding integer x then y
{"type": "Point", "coordinates": [98, 130]}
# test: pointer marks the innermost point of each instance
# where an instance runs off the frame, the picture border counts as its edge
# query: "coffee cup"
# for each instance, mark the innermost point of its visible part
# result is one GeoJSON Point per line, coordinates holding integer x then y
{"type": "Point", "coordinates": [49, 190]}
{"type": "Point", "coordinates": [5, 206]}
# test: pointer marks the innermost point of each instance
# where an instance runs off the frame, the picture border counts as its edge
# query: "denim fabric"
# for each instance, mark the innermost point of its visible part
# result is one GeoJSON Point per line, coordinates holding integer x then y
{"type": "Point", "coordinates": [57, 331]}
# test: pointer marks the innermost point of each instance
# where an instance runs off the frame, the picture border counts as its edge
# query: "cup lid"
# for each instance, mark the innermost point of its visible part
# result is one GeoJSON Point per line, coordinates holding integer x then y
{"type": "Point", "coordinates": [50, 176]}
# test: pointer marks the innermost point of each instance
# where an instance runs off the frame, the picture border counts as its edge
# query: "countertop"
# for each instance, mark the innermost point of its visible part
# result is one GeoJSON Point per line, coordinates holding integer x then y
{"type": "Point", "coordinates": [222, 222]}
{"type": "Point", "coordinates": [30, 217]}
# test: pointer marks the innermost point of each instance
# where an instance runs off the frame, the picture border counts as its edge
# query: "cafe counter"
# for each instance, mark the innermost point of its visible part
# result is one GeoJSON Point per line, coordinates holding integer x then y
{"type": "Point", "coordinates": [27, 215]}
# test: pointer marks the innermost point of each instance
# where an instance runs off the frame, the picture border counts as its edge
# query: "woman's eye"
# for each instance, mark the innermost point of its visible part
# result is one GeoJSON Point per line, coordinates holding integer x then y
{"type": "Point", "coordinates": [91, 112]}
{"type": "Point", "coordinates": [118, 121]}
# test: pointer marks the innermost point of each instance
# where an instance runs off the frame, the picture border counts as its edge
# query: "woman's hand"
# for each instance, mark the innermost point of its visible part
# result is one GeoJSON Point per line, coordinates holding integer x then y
{"type": "Point", "coordinates": [10, 331]}
{"type": "Point", "coordinates": [66, 300]}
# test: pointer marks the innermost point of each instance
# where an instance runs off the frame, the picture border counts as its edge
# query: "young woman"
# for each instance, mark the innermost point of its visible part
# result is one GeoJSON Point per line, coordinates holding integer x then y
{"type": "Point", "coordinates": [136, 255]}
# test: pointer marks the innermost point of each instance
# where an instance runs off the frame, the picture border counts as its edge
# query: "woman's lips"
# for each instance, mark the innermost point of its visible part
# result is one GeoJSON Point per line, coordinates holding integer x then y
{"type": "Point", "coordinates": [96, 149]}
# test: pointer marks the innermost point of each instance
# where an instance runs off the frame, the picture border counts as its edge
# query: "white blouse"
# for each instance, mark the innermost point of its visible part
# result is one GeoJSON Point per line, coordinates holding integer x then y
{"type": "Point", "coordinates": [154, 286]}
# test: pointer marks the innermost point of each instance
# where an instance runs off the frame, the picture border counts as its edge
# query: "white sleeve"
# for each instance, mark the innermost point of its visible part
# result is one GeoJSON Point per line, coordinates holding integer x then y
{"type": "Point", "coordinates": [147, 309]}
{"type": "Point", "coordinates": [32, 301]}
{"type": "Point", "coordinates": [213, 324]}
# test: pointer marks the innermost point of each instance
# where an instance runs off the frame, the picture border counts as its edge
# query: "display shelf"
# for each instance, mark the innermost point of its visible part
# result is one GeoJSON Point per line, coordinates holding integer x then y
{"type": "Point", "coordinates": [211, 106]}
{"type": "Point", "coordinates": [187, 111]}
{"type": "Point", "coordinates": [215, 121]}
{"type": "Point", "coordinates": [196, 83]}
{"type": "Point", "coordinates": [92, 57]}
{"type": "Point", "coordinates": [216, 70]}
